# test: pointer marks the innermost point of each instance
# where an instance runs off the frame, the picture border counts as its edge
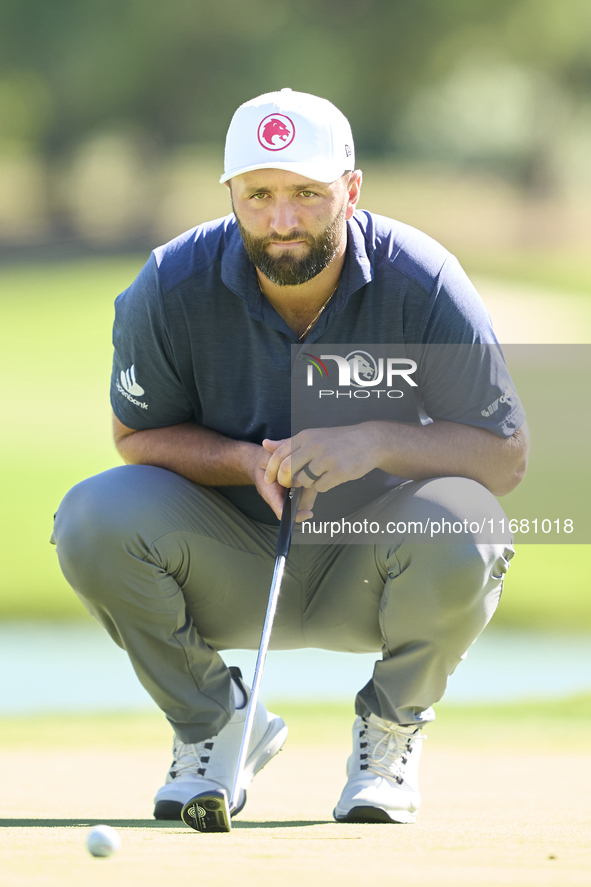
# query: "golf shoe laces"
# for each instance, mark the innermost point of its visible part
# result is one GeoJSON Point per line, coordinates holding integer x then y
{"type": "Point", "coordinates": [191, 758]}
{"type": "Point", "coordinates": [385, 748]}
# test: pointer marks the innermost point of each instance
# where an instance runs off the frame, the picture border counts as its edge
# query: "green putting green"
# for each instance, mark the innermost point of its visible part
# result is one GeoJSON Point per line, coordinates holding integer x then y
{"type": "Point", "coordinates": [505, 801]}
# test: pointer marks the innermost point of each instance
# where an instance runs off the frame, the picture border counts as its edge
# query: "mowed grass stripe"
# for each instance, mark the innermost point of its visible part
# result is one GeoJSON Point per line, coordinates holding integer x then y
{"type": "Point", "coordinates": [532, 724]}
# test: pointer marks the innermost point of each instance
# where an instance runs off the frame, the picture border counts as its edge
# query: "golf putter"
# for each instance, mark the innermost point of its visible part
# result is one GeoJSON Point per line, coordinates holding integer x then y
{"type": "Point", "coordinates": [211, 811]}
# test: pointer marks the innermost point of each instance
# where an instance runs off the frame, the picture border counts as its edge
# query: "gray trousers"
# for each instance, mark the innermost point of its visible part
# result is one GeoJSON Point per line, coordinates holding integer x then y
{"type": "Point", "coordinates": [175, 573]}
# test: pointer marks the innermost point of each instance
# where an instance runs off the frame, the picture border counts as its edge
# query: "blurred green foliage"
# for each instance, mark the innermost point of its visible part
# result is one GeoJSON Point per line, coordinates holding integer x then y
{"type": "Point", "coordinates": [110, 111]}
{"type": "Point", "coordinates": [176, 71]}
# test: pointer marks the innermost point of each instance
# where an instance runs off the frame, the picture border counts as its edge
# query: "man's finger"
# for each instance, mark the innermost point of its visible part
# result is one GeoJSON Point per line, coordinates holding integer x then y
{"type": "Point", "coordinates": [279, 467]}
{"type": "Point", "coordinates": [274, 497]}
{"type": "Point", "coordinates": [306, 504]}
{"type": "Point", "coordinates": [272, 445]}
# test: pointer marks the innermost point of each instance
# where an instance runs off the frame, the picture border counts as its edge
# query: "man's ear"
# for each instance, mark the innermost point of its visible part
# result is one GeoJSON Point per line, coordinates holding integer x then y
{"type": "Point", "coordinates": [228, 185]}
{"type": "Point", "coordinates": [354, 191]}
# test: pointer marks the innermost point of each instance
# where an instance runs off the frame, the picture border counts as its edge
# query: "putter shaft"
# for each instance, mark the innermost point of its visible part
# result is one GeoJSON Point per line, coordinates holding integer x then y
{"type": "Point", "coordinates": [290, 507]}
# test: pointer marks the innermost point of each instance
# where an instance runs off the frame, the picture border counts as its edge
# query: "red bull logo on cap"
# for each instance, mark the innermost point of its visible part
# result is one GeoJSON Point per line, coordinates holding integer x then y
{"type": "Point", "coordinates": [276, 132]}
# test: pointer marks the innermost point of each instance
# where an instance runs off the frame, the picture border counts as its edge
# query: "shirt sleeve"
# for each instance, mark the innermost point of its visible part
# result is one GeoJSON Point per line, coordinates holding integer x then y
{"type": "Point", "coordinates": [462, 370]}
{"type": "Point", "coordinates": [146, 391]}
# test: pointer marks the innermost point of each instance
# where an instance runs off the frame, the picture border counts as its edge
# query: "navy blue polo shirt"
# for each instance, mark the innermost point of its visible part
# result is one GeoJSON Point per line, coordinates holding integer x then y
{"type": "Point", "coordinates": [195, 339]}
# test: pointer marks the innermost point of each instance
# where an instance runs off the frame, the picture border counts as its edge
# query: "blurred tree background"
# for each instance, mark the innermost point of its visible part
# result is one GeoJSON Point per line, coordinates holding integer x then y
{"type": "Point", "coordinates": [113, 113]}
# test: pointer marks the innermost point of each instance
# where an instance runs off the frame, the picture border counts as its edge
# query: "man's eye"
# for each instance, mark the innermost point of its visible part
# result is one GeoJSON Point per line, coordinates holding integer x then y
{"type": "Point", "coordinates": [307, 193]}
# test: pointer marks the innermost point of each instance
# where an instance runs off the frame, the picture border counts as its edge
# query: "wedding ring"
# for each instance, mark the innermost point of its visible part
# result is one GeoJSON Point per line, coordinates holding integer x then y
{"type": "Point", "coordinates": [311, 474]}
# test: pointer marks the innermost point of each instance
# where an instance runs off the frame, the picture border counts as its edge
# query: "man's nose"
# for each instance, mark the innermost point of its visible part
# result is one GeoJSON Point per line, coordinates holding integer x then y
{"type": "Point", "coordinates": [284, 218]}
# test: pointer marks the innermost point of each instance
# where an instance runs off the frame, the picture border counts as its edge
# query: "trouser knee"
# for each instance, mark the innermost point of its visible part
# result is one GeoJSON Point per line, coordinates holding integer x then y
{"type": "Point", "coordinates": [460, 578]}
{"type": "Point", "coordinates": [96, 523]}
{"type": "Point", "coordinates": [471, 570]}
{"type": "Point", "coordinates": [455, 580]}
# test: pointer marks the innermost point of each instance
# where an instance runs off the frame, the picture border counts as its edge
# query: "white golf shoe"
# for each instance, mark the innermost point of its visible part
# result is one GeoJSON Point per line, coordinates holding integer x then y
{"type": "Point", "coordinates": [211, 764]}
{"type": "Point", "coordinates": [383, 783]}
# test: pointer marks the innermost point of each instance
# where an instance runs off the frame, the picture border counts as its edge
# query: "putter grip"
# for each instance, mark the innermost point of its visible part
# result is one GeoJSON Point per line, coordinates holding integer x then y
{"type": "Point", "coordinates": [288, 516]}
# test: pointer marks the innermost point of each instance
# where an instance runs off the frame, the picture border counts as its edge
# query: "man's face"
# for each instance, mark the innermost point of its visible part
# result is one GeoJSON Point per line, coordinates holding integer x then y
{"type": "Point", "coordinates": [292, 227]}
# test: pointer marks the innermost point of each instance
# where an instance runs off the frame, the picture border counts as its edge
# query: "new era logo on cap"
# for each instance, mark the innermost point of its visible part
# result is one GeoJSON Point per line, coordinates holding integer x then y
{"type": "Point", "coordinates": [276, 132]}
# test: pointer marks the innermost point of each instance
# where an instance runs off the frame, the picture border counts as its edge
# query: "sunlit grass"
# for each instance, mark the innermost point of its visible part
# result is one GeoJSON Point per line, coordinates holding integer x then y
{"type": "Point", "coordinates": [537, 725]}
{"type": "Point", "coordinates": [55, 359]}
{"type": "Point", "coordinates": [562, 272]}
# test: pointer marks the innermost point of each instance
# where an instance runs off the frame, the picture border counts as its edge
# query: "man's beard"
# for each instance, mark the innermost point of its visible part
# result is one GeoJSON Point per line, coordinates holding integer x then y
{"type": "Point", "coordinates": [287, 270]}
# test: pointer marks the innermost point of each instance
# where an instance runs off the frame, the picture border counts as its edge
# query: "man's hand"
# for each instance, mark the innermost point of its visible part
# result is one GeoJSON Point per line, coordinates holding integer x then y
{"type": "Point", "coordinates": [334, 455]}
{"type": "Point", "coordinates": [273, 492]}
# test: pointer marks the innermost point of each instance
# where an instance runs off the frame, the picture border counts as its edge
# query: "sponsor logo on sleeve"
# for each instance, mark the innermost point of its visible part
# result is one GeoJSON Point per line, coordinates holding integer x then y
{"type": "Point", "coordinates": [128, 386]}
{"type": "Point", "coordinates": [494, 406]}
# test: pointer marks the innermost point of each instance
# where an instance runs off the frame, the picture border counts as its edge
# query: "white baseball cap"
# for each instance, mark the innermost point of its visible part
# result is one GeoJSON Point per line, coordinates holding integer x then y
{"type": "Point", "coordinates": [289, 130]}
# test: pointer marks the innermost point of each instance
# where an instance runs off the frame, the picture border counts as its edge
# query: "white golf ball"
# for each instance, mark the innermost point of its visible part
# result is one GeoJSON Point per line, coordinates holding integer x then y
{"type": "Point", "coordinates": [103, 840]}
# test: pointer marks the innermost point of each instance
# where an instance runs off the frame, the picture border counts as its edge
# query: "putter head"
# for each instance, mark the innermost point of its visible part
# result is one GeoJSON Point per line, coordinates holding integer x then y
{"type": "Point", "coordinates": [208, 812]}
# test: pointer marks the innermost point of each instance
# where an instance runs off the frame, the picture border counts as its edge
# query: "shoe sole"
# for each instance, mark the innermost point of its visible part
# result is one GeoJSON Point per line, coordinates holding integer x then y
{"type": "Point", "coordinates": [374, 814]}
{"type": "Point", "coordinates": [168, 810]}
{"type": "Point", "coordinates": [270, 745]}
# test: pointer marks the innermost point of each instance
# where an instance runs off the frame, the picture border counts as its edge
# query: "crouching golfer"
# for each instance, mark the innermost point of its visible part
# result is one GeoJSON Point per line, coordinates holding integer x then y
{"type": "Point", "coordinates": [173, 551]}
